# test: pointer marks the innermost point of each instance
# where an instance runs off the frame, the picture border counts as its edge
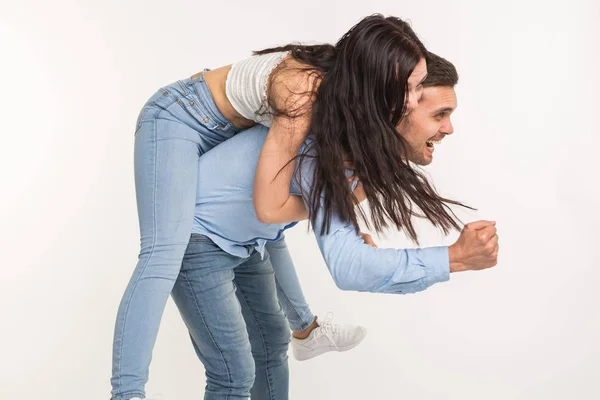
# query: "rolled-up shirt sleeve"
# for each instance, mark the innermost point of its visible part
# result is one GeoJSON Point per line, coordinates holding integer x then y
{"type": "Point", "coordinates": [355, 265]}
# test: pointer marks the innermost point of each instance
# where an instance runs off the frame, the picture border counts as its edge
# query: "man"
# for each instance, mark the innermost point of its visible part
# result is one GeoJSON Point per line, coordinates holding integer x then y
{"type": "Point", "coordinates": [225, 286]}
{"type": "Point", "coordinates": [428, 124]}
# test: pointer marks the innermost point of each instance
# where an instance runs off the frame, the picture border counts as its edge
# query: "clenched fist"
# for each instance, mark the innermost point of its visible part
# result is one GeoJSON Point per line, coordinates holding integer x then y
{"type": "Point", "coordinates": [476, 248]}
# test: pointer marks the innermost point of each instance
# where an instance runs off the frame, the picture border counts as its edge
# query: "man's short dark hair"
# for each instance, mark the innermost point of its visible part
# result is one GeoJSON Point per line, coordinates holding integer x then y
{"type": "Point", "coordinates": [440, 72]}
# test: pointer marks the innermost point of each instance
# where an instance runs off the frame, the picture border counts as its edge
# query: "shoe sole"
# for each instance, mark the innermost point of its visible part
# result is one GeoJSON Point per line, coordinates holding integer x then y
{"type": "Point", "coordinates": [315, 353]}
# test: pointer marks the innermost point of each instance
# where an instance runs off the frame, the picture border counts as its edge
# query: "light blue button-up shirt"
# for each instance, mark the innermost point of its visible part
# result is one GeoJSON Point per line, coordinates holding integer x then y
{"type": "Point", "coordinates": [225, 213]}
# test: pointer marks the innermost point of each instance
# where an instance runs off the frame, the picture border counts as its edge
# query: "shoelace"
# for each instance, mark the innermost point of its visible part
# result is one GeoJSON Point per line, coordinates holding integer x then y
{"type": "Point", "coordinates": [327, 329]}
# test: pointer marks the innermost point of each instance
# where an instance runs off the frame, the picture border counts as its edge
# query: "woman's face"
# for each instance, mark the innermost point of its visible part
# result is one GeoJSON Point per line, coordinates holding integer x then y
{"type": "Point", "coordinates": [415, 85]}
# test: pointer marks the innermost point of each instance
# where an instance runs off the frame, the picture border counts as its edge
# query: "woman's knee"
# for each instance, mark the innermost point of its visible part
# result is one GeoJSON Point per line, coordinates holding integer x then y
{"type": "Point", "coordinates": [161, 260]}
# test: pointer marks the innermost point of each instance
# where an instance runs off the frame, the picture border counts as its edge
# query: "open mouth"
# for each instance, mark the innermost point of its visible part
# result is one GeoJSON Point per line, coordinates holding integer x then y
{"type": "Point", "coordinates": [431, 143]}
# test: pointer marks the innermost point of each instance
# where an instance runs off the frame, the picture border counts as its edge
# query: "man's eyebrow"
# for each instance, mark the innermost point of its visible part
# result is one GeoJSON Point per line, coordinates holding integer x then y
{"type": "Point", "coordinates": [443, 110]}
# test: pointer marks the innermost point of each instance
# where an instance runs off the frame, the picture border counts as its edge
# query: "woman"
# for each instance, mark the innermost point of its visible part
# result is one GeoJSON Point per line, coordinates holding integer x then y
{"type": "Point", "coordinates": [362, 84]}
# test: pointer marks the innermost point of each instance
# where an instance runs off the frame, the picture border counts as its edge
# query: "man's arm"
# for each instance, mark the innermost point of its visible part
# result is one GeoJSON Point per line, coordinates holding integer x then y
{"type": "Point", "coordinates": [355, 265]}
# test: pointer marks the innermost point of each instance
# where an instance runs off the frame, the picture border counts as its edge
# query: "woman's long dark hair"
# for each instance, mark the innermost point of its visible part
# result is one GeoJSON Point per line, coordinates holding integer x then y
{"type": "Point", "coordinates": [358, 104]}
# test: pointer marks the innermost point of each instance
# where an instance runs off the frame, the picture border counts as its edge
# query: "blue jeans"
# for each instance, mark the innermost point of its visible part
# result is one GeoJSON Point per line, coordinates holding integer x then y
{"type": "Point", "coordinates": [237, 327]}
{"type": "Point", "coordinates": [176, 126]}
{"type": "Point", "coordinates": [289, 291]}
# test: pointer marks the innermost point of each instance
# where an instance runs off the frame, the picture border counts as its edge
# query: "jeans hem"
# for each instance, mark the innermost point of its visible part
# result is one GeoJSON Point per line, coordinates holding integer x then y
{"type": "Point", "coordinates": [129, 396]}
{"type": "Point", "coordinates": [306, 322]}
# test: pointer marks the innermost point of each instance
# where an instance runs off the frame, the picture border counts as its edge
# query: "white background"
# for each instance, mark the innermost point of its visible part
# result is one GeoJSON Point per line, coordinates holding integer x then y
{"type": "Point", "coordinates": [74, 75]}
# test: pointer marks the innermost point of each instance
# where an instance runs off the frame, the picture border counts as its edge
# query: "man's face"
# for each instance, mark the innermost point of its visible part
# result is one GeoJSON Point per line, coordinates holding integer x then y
{"type": "Point", "coordinates": [426, 125]}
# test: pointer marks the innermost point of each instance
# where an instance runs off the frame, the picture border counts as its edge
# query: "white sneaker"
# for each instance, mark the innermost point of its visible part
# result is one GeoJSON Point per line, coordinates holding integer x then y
{"type": "Point", "coordinates": [327, 337]}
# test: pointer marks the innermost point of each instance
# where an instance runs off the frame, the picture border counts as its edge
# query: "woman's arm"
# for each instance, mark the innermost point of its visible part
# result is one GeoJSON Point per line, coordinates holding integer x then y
{"type": "Point", "coordinates": [293, 92]}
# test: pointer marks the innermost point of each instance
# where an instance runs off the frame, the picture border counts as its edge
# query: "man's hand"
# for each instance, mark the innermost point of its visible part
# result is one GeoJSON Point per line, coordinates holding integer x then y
{"type": "Point", "coordinates": [476, 248]}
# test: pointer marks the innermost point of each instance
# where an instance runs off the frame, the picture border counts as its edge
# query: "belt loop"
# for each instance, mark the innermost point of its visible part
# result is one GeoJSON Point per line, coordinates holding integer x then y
{"type": "Point", "coordinates": [199, 76]}
{"type": "Point", "coordinates": [183, 87]}
{"type": "Point", "coordinates": [202, 73]}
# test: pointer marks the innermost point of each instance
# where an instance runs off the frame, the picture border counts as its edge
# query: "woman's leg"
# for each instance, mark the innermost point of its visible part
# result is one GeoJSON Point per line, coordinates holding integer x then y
{"type": "Point", "coordinates": [170, 135]}
{"type": "Point", "coordinates": [289, 291]}
{"type": "Point", "coordinates": [311, 337]}
{"type": "Point", "coordinates": [165, 175]}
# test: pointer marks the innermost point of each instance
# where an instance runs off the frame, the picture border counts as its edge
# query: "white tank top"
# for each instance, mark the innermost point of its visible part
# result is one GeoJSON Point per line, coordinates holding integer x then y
{"type": "Point", "coordinates": [246, 86]}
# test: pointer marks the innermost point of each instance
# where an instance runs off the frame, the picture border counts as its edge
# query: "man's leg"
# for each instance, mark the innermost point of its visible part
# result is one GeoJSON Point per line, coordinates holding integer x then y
{"type": "Point", "coordinates": [205, 294]}
{"type": "Point", "coordinates": [267, 327]}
